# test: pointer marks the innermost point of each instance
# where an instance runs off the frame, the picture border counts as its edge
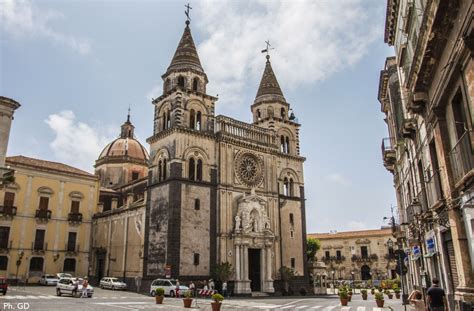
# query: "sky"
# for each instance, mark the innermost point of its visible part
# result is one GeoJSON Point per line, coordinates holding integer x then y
{"type": "Point", "coordinates": [76, 67]}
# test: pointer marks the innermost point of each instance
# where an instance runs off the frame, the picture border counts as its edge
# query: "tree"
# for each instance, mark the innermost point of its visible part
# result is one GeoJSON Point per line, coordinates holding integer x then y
{"type": "Point", "coordinates": [286, 275]}
{"type": "Point", "coordinates": [222, 272]}
{"type": "Point", "coordinates": [312, 246]}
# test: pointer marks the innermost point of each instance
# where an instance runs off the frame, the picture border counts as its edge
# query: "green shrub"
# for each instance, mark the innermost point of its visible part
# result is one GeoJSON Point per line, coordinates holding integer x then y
{"type": "Point", "coordinates": [343, 293]}
{"type": "Point", "coordinates": [363, 291]}
{"type": "Point", "coordinates": [217, 297]}
{"type": "Point", "coordinates": [159, 291]}
{"type": "Point", "coordinates": [188, 294]}
{"type": "Point", "coordinates": [397, 290]}
{"type": "Point", "coordinates": [379, 296]}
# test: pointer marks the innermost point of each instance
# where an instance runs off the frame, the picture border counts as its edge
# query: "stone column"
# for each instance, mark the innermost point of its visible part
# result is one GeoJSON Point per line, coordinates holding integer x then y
{"type": "Point", "coordinates": [7, 108]}
{"type": "Point", "coordinates": [237, 262]}
{"type": "Point", "coordinates": [269, 263]}
{"type": "Point", "coordinates": [268, 281]}
{"type": "Point", "coordinates": [246, 263]}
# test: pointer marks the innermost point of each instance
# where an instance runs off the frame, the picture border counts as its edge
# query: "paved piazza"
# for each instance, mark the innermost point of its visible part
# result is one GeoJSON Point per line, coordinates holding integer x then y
{"type": "Point", "coordinates": [44, 298]}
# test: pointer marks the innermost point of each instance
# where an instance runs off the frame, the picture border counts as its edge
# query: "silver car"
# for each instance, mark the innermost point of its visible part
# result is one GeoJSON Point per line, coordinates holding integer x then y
{"type": "Point", "coordinates": [112, 283]}
{"type": "Point", "coordinates": [48, 279]}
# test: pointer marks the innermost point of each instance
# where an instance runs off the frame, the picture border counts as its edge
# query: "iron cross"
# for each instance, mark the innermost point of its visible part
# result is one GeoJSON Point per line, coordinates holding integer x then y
{"type": "Point", "coordinates": [267, 50]}
{"type": "Point", "coordinates": [188, 7]}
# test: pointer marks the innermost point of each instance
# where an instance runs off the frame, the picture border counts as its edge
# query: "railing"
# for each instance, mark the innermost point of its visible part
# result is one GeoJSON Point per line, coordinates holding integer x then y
{"type": "Point", "coordinates": [38, 246]}
{"type": "Point", "coordinates": [461, 157]}
{"type": "Point", "coordinates": [72, 248]}
{"type": "Point", "coordinates": [74, 218]}
{"type": "Point", "coordinates": [43, 214]}
{"type": "Point", "coordinates": [337, 259]}
{"type": "Point", "coordinates": [388, 145]}
{"type": "Point", "coordinates": [238, 129]}
{"type": "Point", "coordinates": [7, 210]}
{"type": "Point", "coordinates": [433, 189]}
{"type": "Point", "coordinates": [357, 258]}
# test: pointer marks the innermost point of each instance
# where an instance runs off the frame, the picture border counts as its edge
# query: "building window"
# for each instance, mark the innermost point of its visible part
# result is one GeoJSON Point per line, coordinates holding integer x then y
{"type": "Point", "coordinates": [166, 119]}
{"type": "Point", "coordinates": [364, 252]}
{"type": "Point", "coordinates": [4, 237]}
{"type": "Point", "coordinates": [195, 84]}
{"type": "Point", "coordinates": [196, 259]}
{"type": "Point", "coordinates": [135, 175]}
{"type": "Point", "coordinates": [71, 242]}
{"type": "Point", "coordinates": [197, 204]}
{"type": "Point", "coordinates": [192, 119]}
{"type": "Point", "coordinates": [75, 207]}
{"type": "Point", "coordinates": [181, 81]}
{"type": "Point", "coordinates": [36, 264]}
{"type": "Point", "coordinates": [292, 219]}
{"type": "Point", "coordinates": [191, 169]}
{"type": "Point", "coordinates": [198, 120]}
{"type": "Point", "coordinates": [69, 265]}
{"type": "Point", "coordinates": [286, 187]}
{"type": "Point", "coordinates": [3, 263]}
{"type": "Point", "coordinates": [43, 203]}
{"type": "Point", "coordinates": [199, 170]}
{"type": "Point", "coordinates": [195, 169]}
{"type": "Point", "coordinates": [9, 199]}
{"type": "Point", "coordinates": [162, 170]}
{"type": "Point", "coordinates": [338, 255]}
{"type": "Point", "coordinates": [259, 114]}
{"type": "Point", "coordinates": [39, 240]}
{"type": "Point", "coordinates": [292, 234]}
{"type": "Point", "coordinates": [293, 263]}
{"type": "Point", "coordinates": [282, 144]}
{"type": "Point", "coordinates": [282, 113]}
{"type": "Point", "coordinates": [287, 139]}
{"type": "Point", "coordinates": [327, 255]}
{"type": "Point", "coordinates": [291, 188]}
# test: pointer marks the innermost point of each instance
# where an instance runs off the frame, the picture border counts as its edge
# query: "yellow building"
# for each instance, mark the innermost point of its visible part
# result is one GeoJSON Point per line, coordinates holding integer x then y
{"type": "Point", "coordinates": [45, 219]}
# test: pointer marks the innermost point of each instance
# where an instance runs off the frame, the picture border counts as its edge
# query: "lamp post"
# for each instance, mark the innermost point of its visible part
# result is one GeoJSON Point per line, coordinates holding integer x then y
{"type": "Point", "coordinates": [352, 276]}
{"type": "Point", "coordinates": [333, 282]}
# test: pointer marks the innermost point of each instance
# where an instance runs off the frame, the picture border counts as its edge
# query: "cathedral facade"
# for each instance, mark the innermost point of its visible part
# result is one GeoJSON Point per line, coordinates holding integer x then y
{"type": "Point", "coordinates": [221, 190]}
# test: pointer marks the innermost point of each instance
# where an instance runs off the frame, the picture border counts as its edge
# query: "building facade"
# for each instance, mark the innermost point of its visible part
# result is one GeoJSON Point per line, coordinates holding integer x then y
{"type": "Point", "coordinates": [357, 255]}
{"type": "Point", "coordinates": [426, 93]}
{"type": "Point", "coordinates": [45, 219]}
{"type": "Point", "coordinates": [7, 109]}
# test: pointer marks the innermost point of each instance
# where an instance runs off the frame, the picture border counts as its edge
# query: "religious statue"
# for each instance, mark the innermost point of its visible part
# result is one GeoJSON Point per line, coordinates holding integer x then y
{"type": "Point", "coordinates": [237, 223]}
{"type": "Point", "coordinates": [255, 225]}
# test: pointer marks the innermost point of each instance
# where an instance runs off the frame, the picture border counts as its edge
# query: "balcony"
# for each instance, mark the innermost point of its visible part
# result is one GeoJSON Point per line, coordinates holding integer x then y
{"type": "Point", "coordinates": [417, 103]}
{"type": "Point", "coordinates": [5, 246]}
{"type": "Point", "coordinates": [409, 128]}
{"type": "Point", "coordinates": [74, 218]}
{"type": "Point", "coordinates": [461, 158]}
{"type": "Point", "coordinates": [43, 214]}
{"type": "Point", "coordinates": [7, 211]}
{"type": "Point", "coordinates": [357, 258]}
{"type": "Point", "coordinates": [336, 259]}
{"type": "Point", "coordinates": [72, 249]}
{"type": "Point", "coordinates": [434, 192]}
{"type": "Point", "coordinates": [389, 154]}
{"type": "Point", "coordinates": [39, 247]}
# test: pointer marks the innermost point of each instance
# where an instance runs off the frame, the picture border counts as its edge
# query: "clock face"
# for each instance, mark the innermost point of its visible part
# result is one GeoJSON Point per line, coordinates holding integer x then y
{"type": "Point", "coordinates": [249, 169]}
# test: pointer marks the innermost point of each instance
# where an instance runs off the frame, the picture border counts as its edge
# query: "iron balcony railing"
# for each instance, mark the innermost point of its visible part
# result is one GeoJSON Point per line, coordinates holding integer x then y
{"type": "Point", "coordinates": [461, 157]}
{"type": "Point", "coordinates": [74, 218]}
{"type": "Point", "coordinates": [434, 192]}
{"type": "Point", "coordinates": [43, 214]}
{"type": "Point", "coordinates": [39, 246]}
{"type": "Point", "coordinates": [7, 210]}
{"type": "Point", "coordinates": [388, 145]}
{"type": "Point", "coordinates": [72, 247]}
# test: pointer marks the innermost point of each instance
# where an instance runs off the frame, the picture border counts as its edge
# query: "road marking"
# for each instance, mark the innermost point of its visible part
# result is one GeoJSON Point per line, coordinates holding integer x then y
{"type": "Point", "coordinates": [286, 307]}
{"type": "Point", "coordinates": [345, 308]}
{"type": "Point", "coordinates": [360, 308]}
{"type": "Point", "coordinates": [315, 307]}
{"type": "Point", "coordinates": [329, 308]}
{"type": "Point", "coordinates": [301, 307]}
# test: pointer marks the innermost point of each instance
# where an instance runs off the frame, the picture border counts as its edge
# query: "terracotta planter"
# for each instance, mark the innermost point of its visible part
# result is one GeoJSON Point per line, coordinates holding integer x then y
{"type": "Point", "coordinates": [187, 302]}
{"type": "Point", "coordinates": [380, 303]}
{"type": "Point", "coordinates": [364, 297]}
{"type": "Point", "coordinates": [159, 299]}
{"type": "Point", "coordinates": [372, 292]}
{"type": "Point", "coordinates": [344, 301]}
{"type": "Point", "coordinates": [390, 296]}
{"type": "Point", "coordinates": [397, 295]}
{"type": "Point", "coordinates": [216, 306]}
{"type": "Point", "coordinates": [349, 297]}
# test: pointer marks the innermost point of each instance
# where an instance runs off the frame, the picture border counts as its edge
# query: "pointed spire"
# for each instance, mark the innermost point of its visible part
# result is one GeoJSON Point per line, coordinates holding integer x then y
{"type": "Point", "coordinates": [127, 127]}
{"type": "Point", "coordinates": [186, 56]}
{"type": "Point", "coordinates": [269, 88]}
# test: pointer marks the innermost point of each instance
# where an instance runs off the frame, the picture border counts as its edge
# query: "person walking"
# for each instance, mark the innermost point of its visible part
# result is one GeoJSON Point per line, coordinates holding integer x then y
{"type": "Point", "coordinates": [416, 299]}
{"type": "Point", "coordinates": [436, 297]}
{"type": "Point", "coordinates": [211, 284]}
{"type": "Point", "coordinates": [177, 288]}
{"type": "Point", "coordinates": [192, 288]}
{"type": "Point", "coordinates": [85, 284]}
{"type": "Point", "coordinates": [224, 288]}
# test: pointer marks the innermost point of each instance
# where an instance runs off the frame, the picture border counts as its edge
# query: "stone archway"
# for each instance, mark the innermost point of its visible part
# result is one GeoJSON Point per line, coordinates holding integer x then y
{"type": "Point", "coordinates": [365, 273]}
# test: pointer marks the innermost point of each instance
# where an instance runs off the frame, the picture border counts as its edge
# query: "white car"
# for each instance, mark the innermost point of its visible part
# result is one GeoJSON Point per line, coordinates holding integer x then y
{"type": "Point", "coordinates": [169, 285]}
{"type": "Point", "coordinates": [48, 279]}
{"type": "Point", "coordinates": [72, 287]}
{"type": "Point", "coordinates": [63, 275]}
{"type": "Point", "coordinates": [112, 283]}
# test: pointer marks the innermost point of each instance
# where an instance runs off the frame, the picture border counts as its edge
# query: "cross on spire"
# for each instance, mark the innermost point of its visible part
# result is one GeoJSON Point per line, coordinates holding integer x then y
{"type": "Point", "coordinates": [128, 115]}
{"type": "Point", "coordinates": [188, 7]}
{"type": "Point", "coordinates": [267, 50]}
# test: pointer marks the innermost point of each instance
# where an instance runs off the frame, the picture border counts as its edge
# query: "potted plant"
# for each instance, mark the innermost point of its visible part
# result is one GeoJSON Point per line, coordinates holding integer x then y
{"type": "Point", "coordinates": [372, 290]}
{"type": "Point", "coordinates": [364, 294]}
{"type": "Point", "coordinates": [349, 294]}
{"type": "Point", "coordinates": [389, 294]}
{"type": "Point", "coordinates": [379, 299]}
{"type": "Point", "coordinates": [188, 299]}
{"type": "Point", "coordinates": [397, 292]}
{"type": "Point", "coordinates": [216, 305]}
{"type": "Point", "coordinates": [159, 295]}
{"type": "Point", "coordinates": [343, 296]}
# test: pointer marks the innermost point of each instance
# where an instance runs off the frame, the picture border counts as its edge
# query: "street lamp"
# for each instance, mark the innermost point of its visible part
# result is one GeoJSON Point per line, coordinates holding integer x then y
{"type": "Point", "coordinates": [352, 275]}
{"type": "Point", "coordinates": [333, 282]}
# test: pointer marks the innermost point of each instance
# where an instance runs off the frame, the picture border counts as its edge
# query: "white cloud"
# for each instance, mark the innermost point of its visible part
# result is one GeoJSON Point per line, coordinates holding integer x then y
{"type": "Point", "coordinates": [21, 19]}
{"type": "Point", "coordinates": [356, 225]}
{"type": "Point", "coordinates": [76, 143]}
{"type": "Point", "coordinates": [338, 179]}
{"type": "Point", "coordinates": [312, 40]}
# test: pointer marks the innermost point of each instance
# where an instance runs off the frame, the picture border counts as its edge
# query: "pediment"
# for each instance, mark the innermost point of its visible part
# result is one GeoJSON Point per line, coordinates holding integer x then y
{"type": "Point", "coordinates": [362, 241]}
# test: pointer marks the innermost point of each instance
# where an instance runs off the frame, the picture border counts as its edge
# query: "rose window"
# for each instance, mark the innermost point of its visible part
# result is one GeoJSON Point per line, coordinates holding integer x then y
{"type": "Point", "coordinates": [249, 169]}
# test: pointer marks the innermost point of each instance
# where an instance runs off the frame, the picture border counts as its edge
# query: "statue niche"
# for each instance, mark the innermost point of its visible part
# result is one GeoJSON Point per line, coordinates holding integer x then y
{"type": "Point", "coordinates": [251, 215]}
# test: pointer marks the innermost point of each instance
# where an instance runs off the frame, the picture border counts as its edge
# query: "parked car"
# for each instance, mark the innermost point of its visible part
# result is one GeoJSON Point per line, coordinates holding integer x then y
{"type": "Point", "coordinates": [169, 285]}
{"type": "Point", "coordinates": [112, 283]}
{"type": "Point", "coordinates": [48, 279]}
{"type": "Point", "coordinates": [63, 275]}
{"type": "Point", "coordinates": [73, 287]}
{"type": "Point", "coordinates": [3, 285]}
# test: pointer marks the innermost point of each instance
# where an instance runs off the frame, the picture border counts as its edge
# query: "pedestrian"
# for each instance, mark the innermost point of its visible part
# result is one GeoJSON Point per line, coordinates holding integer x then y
{"type": "Point", "coordinates": [224, 288]}
{"type": "Point", "coordinates": [192, 288]}
{"type": "Point", "coordinates": [205, 287]}
{"type": "Point", "coordinates": [177, 288]}
{"type": "Point", "coordinates": [436, 297]}
{"type": "Point", "coordinates": [76, 286]}
{"type": "Point", "coordinates": [138, 282]}
{"type": "Point", "coordinates": [416, 299]}
{"type": "Point", "coordinates": [85, 284]}
{"type": "Point", "coordinates": [211, 284]}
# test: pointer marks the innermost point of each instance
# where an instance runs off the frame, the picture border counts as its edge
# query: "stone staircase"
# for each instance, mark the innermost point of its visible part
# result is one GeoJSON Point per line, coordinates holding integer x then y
{"type": "Point", "coordinates": [259, 294]}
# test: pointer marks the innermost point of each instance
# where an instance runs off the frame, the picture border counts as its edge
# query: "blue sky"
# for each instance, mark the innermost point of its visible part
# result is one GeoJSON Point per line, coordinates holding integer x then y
{"type": "Point", "coordinates": [76, 66]}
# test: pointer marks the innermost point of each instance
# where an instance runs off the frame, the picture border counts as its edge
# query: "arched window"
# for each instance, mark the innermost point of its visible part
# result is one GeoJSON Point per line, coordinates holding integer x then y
{"type": "Point", "coordinates": [167, 86]}
{"type": "Point", "coordinates": [164, 169]}
{"type": "Point", "coordinates": [181, 81]}
{"type": "Point", "coordinates": [199, 170]}
{"type": "Point", "coordinates": [198, 121]}
{"type": "Point", "coordinates": [282, 144]}
{"type": "Point", "coordinates": [287, 140]}
{"type": "Point", "coordinates": [195, 84]}
{"type": "Point", "coordinates": [282, 113]}
{"type": "Point", "coordinates": [286, 187]}
{"type": "Point", "coordinates": [168, 119]}
{"type": "Point", "coordinates": [191, 168]}
{"type": "Point", "coordinates": [160, 172]}
{"type": "Point", "coordinates": [259, 114]}
{"type": "Point", "coordinates": [192, 119]}
{"type": "Point", "coordinates": [291, 192]}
